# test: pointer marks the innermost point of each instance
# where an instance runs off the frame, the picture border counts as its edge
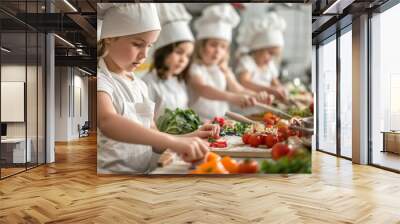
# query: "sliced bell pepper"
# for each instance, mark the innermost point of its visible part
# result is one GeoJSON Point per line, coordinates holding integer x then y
{"type": "Point", "coordinates": [219, 144]}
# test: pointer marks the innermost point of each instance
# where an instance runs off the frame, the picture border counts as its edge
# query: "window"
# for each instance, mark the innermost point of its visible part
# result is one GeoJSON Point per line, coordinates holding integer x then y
{"type": "Point", "coordinates": [22, 76]}
{"type": "Point", "coordinates": [385, 86]}
{"type": "Point", "coordinates": [346, 94]}
{"type": "Point", "coordinates": [327, 96]}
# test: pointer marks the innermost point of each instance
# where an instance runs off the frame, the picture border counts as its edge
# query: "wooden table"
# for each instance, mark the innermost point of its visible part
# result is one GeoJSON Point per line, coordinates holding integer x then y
{"type": "Point", "coordinates": [391, 141]}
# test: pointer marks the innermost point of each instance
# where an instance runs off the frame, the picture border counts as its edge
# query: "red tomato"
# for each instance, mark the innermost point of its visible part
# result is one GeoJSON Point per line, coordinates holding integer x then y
{"type": "Point", "coordinates": [263, 136]}
{"type": "Point", "coordinates": [270, 140]}
{"type": "Point", "coordinates": [312, 107]}
{"type": "Point", "coordinates": [281, 137]}
{"type": "Point", "coordinates": [284, 130]}
{"type": "Point", "coordinates": [245, 138]}
{"type": "Point", "coordinates": [219, 120]}
{"type": "Point", "coordinates": [248, 166]}
{"type": "Point", "coordinates": [255, 140]}
{"type": "Point", "coordinates": [280, 150]}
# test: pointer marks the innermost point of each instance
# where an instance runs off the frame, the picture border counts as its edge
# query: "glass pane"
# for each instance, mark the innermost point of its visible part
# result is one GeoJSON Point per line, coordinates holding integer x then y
{"type": "Point", "coordinates": [13, 85]}
{"type": "Point", "coordinates": [346, 94]}
{"type": "Point", "coordinates": [41, 99]}
{"type": "Point", "coordinates": [386, 89]}
{"type": "Point", "coordinates": [313, 78]}
{"type": "Point", "coordinates": [327, 97]}
{"type": "Point", "coordinates": [31, 97]}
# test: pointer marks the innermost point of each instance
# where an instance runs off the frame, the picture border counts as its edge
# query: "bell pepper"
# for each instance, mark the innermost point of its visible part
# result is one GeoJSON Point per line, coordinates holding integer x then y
{"type": "Point", "coordinates": [219, 144]}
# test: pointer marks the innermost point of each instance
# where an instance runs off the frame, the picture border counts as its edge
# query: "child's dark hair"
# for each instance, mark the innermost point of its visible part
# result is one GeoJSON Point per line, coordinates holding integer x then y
{"type": "Point", "coordinates": [159, 57]}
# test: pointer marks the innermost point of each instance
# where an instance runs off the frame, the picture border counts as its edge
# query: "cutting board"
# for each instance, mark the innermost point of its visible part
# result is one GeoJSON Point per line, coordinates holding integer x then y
{"type": "Point", "coordinates": [176, 167]}
{"type": "Point", "coordinates": [237, 149]}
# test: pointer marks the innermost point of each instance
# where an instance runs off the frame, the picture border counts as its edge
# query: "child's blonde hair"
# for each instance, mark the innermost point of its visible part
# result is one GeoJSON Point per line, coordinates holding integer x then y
{"type": "Point", "coordinates": [102, 46]}
{"type": "Point", "coordinates": [101, 49]}
{"type": "Point", "coordinates": [199, 49]}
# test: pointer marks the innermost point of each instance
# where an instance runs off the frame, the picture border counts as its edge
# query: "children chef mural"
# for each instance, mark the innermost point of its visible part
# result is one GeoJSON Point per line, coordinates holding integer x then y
{"type": "Point", "coordinates": [203, 88]}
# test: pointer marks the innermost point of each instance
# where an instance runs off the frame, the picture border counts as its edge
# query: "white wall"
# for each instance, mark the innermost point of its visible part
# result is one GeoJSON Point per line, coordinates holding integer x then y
{"type": "Point", "coordinates": [80, 83]}
{"type": "Point", "coordinates": [69, 82]}
{"type": "Point", "coordinates": [15, 73]}
{"type": "Point", "coordinates": [62, 80]}
{"type": "Point", "coordinates": [34, 126]}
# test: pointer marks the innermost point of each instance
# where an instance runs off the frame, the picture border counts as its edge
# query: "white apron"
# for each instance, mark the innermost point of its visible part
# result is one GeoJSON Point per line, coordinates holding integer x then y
{"type": "Point", "coordinates": [119, 157]}
{"type": "Point", "coordinates": [206, 108]}
{"type": "Point", "coordinates": [260, 76]}
{"type": "Point", "coordinates": [170, 93]}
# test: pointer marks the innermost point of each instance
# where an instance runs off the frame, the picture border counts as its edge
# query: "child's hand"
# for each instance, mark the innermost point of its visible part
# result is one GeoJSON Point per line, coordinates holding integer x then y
{"type": "Point", "coordinates": [190, 148]}
{"type": "Point", "coordinates": [280, 94]}
{"type": "Point", "coordinates": [223, 65]}
{"type": "Point", "coordinates": [244, 101]}
{"type": "Point", "coordinates": [208, 130]}
{"type": "Point", "coordinates": [264, 97]}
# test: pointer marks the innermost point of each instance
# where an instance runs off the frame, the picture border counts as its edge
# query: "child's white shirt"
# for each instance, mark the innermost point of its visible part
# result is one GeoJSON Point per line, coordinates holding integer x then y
{"type": "Point", "coordinates": [114, 156]}
{"type": "Point", "coordinates": [170, 93]}
{"type": "Point", "coordinates": [214, 77]}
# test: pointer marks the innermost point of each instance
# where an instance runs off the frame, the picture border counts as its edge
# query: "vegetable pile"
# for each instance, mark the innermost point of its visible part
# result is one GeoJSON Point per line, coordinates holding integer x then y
{"type": "Point", "coordinates": [178, 122]}
{"type": "Point", "coordinates": [214, 164]}
{"type": "Point", "coordinates": [286, 159]}
{"type": "Point", "coordinates": [230, 127]}
{"type": "Point", "coordinates": [273, 131]}
{"type": "Point", "coordinates": [288, 153]}
{"type": "Point", "coordinates": [306, 112]}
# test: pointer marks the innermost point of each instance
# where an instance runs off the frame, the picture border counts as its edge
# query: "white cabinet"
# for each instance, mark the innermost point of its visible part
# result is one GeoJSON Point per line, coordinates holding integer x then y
{"type": "Point", "coordinates": [13, 150]}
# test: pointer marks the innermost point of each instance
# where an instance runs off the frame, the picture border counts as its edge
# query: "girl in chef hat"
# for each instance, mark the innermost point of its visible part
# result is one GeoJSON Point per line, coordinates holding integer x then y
{"type": "Point", "coordinates": [213, 85]}
{"type": "Point", "coordinates": [261, 39]}
{"type": "Point", "coordinates": [173, 50]}
{"type": "Point", "coordinates": [127, 139]}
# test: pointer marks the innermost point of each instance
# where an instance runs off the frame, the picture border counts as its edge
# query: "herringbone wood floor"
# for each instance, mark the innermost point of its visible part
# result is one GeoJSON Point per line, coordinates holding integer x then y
{"type": "Point", "coordinates": [69, 191]}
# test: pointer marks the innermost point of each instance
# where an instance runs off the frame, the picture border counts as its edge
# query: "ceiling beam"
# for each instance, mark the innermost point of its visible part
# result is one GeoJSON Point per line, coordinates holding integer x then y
{"type": "Point", "coordinates": [82, 61]}
{"type": "Point", "coordinates": [337, 7]}
{"type": "Point", "coordinates": [86, 26]}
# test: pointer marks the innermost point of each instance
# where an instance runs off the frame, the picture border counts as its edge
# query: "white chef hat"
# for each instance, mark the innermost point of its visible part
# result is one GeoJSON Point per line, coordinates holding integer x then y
{"type": "Point", "coordinates": [217, 21]}
{"type": "Point", "coordinates": [175, 24]}
{"type": "Point", "coordinates": [263, 32]}
{"type": "Point", "coordinates": [99, 24]}
{"type": "Point", "coordinates": [121, 19]}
